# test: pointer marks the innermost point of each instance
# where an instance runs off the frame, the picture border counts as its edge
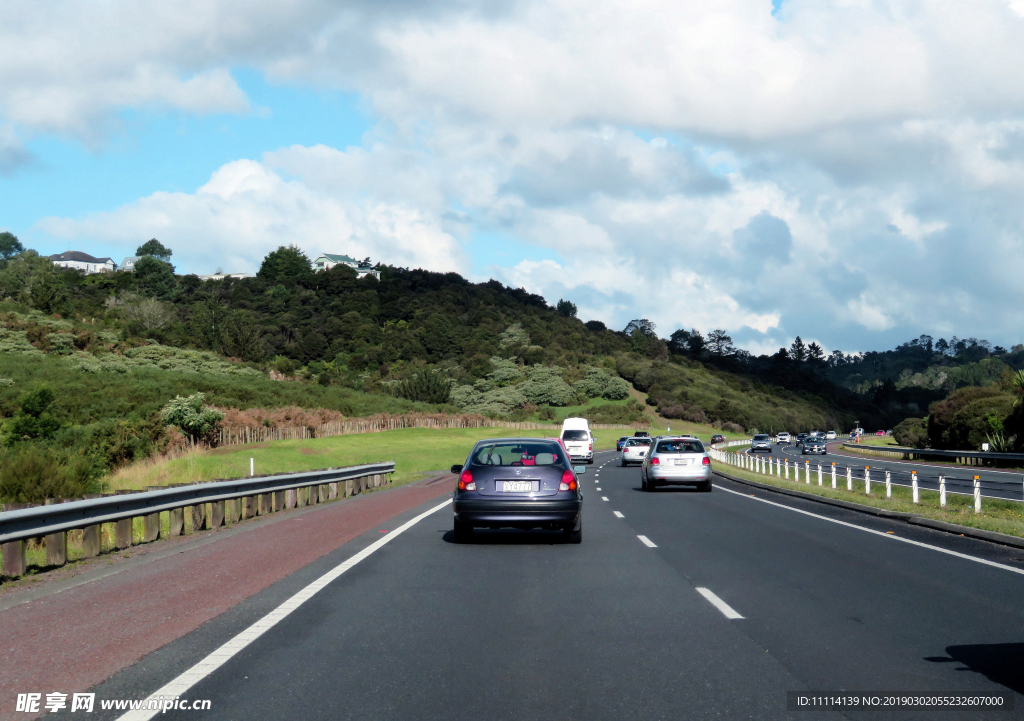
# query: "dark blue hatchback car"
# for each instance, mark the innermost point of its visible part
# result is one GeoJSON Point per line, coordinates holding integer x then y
{"type": "Point", "coordinates": [518, 483]}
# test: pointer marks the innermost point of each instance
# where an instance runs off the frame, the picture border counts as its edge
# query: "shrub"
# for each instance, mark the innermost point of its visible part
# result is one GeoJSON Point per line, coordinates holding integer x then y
{"type": "Point", "coordinates": [189, 414]}
{"type": "Point", "coordinates": [33, 421]}
{"type": "Point", "coordinates": [31, 474]}
{"type": "Point", "coordinates": [912, 433]}
{"type": "Point", "coordinates": [428, 386]}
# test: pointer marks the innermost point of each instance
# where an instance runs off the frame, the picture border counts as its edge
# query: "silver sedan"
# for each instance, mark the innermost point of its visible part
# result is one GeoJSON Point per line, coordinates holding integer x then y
{"type": "Point", "coordinates": [677, 462]}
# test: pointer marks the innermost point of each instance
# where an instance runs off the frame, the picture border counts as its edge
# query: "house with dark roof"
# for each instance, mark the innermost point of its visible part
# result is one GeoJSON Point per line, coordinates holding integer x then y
{"type": "Point", "coordinates": [83, 261]}
{"type": "Point", "coordinates": [326, 261]}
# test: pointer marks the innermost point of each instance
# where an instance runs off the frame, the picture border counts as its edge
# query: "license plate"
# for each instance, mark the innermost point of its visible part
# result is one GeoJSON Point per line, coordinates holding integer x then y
{"type": "Point", "coordinates": [517, 486]}
{"type": "Point", "coordinates": [682, 461]}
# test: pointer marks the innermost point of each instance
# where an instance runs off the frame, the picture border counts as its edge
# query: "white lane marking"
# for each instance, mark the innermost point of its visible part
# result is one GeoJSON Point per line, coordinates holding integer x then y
{"type": "Point", "coordinates": [618, 515]}
{"type": "Point", "coordinates": [597, 489]}
{"type": "Point", "coordinates": [604, 498]}
{"type": "Point", "coordinates": [220, 656]}
{"type": "Point", "coordinates": [718, 603]}
{"type": "Point", "coordinates": [883, 534]}
{"type": "Point", "coordinates": [647, 542]}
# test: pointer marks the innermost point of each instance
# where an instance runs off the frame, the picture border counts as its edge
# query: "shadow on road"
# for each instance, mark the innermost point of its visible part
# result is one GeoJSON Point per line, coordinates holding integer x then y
{"type": "Point", "coordinates": [999, 662]}
{"type": "Point", "coordinates": [510, 537]}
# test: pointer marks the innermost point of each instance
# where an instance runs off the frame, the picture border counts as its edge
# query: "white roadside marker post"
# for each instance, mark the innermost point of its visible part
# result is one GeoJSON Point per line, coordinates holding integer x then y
{"type": "Point", "coordinates": [867, 480]}
{"type": "Point", "coordinates": [849, 478]}
{"type": "Point", "coordinates": [888, 485]}
{"type": "Point", "coordinates": [819, 474]}
{"type": "Point", "coordinates": [787, 469]}
{"type": "Point", "coordinates": [942, 491]}
{"type": "Point", "coordinates": [977, 494]}
{"type": "Point", "coordinates": [913, 485]}
{"type": "Point", "coordinates": [833, 475]}
{"type": "Point", "coordinates": [807, 472]}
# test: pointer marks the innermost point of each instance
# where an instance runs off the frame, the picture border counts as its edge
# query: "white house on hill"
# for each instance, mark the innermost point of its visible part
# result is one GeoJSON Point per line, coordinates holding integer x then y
{"type": "Point", "coordinates": [129, 263]}
{"type": "Point", "coordinates": [362, 268]}
{"type": "Point", "coordinates": [83, 261]}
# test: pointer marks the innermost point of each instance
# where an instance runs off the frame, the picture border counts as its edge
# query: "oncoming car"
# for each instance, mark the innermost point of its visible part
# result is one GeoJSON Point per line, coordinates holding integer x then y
{"type": "Point", "coordinates": [674, 462]}
{"type": "Point", "coordinates": [518, 483]}
{"type": "Point", "coordinates": [830, 436]}
{"type": "Point", "coordinates": [815, 444]}
{"type": "Point", "coordinates": [634, 450]}
{"type": "Point", "coordinates": [761, 442]}
{"type": "Point", "coordinates": [784, 437]}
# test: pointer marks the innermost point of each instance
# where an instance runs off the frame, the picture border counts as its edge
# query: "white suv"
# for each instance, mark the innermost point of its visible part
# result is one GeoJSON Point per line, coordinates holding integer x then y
{"type": "Point", "coordinates": [784, 437]}
{"type": "Point", "coordinates": [635, 450]}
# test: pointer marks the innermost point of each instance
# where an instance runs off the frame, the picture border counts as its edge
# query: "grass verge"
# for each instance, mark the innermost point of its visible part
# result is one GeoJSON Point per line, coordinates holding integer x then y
{"type": "Point", "coordinates": [998, 516]}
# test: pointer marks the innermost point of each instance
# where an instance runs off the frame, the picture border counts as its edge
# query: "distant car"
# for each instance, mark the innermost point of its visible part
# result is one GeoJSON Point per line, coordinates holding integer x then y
{"type": "Point", "coordinates": [718, 438]}
{"type": "Point", "coordinates": [830, 436]}
{"type": "Point", "coordinates": [641, 434]}
{"type": "Point", "coordinates": [784, 437]}
{"type": "Point", "coordinates": [518, 483]}
{"type": "Point", "coordinates": [634, 450]}
{"type": "Point", "coordinates": [675, 462]}
{"type": "Point", "coordinates": [814, 445]}
{"type": "Point", "coordinates": [761, 442]}
{"type": "Point", "coordinates": [879, 433]}
{"type": "Point", "coordinates": [619, 443]}
{"type": "Point", "coordinates": [889, 432]}
{"type": "Point", "coordinates": [801, 437]}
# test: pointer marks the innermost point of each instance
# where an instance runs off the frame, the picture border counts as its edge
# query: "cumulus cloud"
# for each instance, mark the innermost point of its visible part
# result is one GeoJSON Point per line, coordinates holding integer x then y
{"type": "Point", "coordinates": [847, 171]}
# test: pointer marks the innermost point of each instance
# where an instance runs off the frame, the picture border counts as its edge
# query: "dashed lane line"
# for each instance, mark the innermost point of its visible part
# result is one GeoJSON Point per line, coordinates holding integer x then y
{"type": "Point", "coordinates": [647, 542]}
{"type": "Point", "coordinates": [618, 515]}
{"type": "Point", "coordinates": [718, 603]}
{"type": "Point", "coordinates": [604, 498]}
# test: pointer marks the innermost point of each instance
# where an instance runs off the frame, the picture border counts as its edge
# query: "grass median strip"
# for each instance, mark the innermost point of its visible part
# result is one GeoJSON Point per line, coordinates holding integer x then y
{"type": "Point", "coordinates": [996, 515]}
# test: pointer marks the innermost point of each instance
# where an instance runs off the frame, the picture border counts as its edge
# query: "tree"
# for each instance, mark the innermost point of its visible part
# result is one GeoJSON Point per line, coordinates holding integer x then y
{"type": "Point", "coordinates": [286, 265]}
{"type": "Point", "coordinates": [641, 324]}
{"type": "Point", "coordinates": [815, 353]}
{"type": "Point", "coordinates": [595, 326]}
{"type": "Point", "coordinates": [798, 351]}
{"type": "Point", "coordinates": [566, 308]}
{"type": "Point", "coordinates": [156, 249]}
{"type": "Point", "coordinates": [720, 342]}
{"type": "Point", "coordinates": [687, 341]}
{"type": "Point", "coordinates": [155, 278]}
{"type": "Point", "coordinates": [9, 245]}
{"type": "Point", "coordinates": [35, 281]}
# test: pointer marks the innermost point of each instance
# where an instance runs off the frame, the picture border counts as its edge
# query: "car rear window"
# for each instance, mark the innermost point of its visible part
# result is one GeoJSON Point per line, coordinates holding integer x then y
{"type": "Point", "coordinates": [680, 447]}
{"type": "Point", "coordinates": [574, 436]}
{"type": "Point", "coordinates": [519, 454]}
{"type": "Point", "coordinates": [638, 442]}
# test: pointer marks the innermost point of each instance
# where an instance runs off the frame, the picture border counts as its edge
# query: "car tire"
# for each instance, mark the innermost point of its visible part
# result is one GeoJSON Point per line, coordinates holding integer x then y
{"type": "Point", "coordinates": [574, 535]}
{"type": "Point", "coordinates": [650, 486]}
{"type": "Point", "coordinates": [463, 532]}
{"type": "Point", "coordinates": [623, 462]}
{"type": "Point", "coordinates": [706, 488]}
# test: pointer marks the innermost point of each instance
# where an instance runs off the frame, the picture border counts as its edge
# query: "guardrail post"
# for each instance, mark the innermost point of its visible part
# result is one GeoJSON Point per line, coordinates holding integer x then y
{"type": "Point", "coordinates": [332, 491]}
{"type": "Point", "coordinates": [324, 493]}
{"type": "Point", "coordinates": [123, 529]}
{"type": "Point", "coordinates": [15, 561]}
{"type": "Point", "coordinates": [291, 498]}
{"type": "Point", "coordinates": [217, 514]}
{"type": "Point", "coordinates": [833, 475]}
{"type": "Point", "coordinates": [942, 491]}
{"type": "Point", "coordinates": [977, 494]}
{"type": "Point", "coordinates": [151, 522]}
{"type": "Point", "coordinates": [913, 485]}
{"type": "Point", "coordinates": [888, 485]}
{"type": "Point", "coordinates": [198, 516]}
{"type": "Point", "coordinates": [279, 501]}
{"type": "Point", "coordinates": [248, 506]}
{"type": "Point", "coordinates": [176, 522]}
{"type": "Point", "coordinates": [56, 543]}
{"type": "Point", "coordinates": [867, 480]}
{"type": "Point", "coordinates": [819, 474]}
{"type": "Point", "coordinates": [91, 534]}
{"type": "Point", "coordinates": [264, 504]}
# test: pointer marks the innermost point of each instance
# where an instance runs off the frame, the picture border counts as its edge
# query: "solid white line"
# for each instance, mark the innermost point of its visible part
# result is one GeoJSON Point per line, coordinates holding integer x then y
{"type": "Point", "coordinates": [647, 542]}
{"type": "Point", "coordinates": [604, 498]}
{"type": "Point", "coordinates": [618, 515]}
{"type": "Point", "coordinates": [220, 656]}
{"type": "Point", "coordinates": [882, 534]}
{"type": "Point", "coordinates": [718, 603]}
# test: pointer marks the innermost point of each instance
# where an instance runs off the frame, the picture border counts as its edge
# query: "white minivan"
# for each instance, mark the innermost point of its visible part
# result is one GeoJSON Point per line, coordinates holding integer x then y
{"type": "Point", "coordinates": [578, 440]}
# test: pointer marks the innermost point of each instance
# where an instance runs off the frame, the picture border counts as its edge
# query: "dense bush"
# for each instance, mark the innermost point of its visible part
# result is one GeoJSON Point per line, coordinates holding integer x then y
{"type": "Point", "coordinates": [31, 474]}
{"type": "Point", "coordinates": [195, 420]}
{"type": "Point", "coordinates": [428, 386]}
{"type": "Point", "coordinates": [912, 433]}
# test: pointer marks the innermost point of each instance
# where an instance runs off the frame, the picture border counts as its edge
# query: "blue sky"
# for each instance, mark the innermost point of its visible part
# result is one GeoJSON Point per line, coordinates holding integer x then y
{"type": "Point", "coordinates": [849, 172]}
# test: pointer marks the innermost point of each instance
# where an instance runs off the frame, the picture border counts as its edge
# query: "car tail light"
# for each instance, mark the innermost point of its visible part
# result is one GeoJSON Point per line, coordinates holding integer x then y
{"type": "Point", "coordinates": [706, 461]}
{"type": "Point", "coordinates": [568, 481]}
{"type": "Point", "coordinates": [466, 482]}
{"type": "Point", "coordinates": [655, 461]}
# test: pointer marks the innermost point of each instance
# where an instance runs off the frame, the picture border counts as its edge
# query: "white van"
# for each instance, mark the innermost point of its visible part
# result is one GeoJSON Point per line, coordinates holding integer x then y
{"type": "Point", "coordinates": [577, 439]}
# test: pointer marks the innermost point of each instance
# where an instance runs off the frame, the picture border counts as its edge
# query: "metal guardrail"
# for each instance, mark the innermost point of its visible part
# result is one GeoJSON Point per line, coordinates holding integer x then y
{"type": "Point", "coordinates": [933, 452]}
{"type": "Point", "coordinates": [44, 520]}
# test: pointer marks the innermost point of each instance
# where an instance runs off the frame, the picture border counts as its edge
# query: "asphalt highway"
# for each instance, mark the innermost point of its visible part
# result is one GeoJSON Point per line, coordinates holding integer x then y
{"type": "Point", "coordinates": [1001, 484]}
{"type": "Point", "coordinates": [677, 605]}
